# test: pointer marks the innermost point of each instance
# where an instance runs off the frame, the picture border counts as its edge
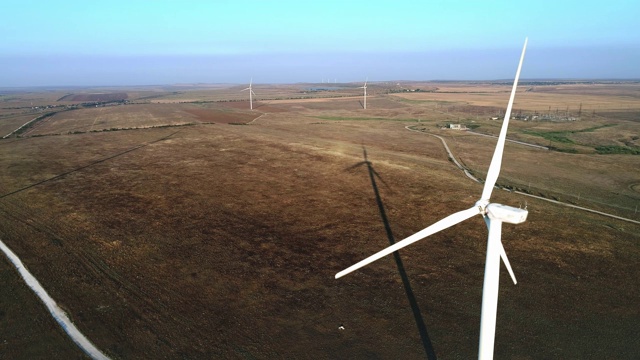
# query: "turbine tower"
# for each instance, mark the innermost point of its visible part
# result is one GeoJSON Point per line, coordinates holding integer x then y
{"type": "Point", "coordinates": [250, 94]}
{"type": "Point", "coordinates": [494, 215]}
{"type": "Point", "coordinates": [365, 93]}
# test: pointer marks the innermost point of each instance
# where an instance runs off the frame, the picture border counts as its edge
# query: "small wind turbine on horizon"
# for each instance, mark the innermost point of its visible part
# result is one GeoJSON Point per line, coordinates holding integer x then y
{"type": "Point", "coordinates": [250, 94]}
{"type": "Point", "coordinates": [494, 215]}
{"type": "Point", "coordinates": [365, 93]}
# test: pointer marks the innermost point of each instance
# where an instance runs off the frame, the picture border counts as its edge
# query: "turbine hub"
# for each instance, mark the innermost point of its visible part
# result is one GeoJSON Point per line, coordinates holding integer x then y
{"type": "Point", "coordinates": [482, 205]}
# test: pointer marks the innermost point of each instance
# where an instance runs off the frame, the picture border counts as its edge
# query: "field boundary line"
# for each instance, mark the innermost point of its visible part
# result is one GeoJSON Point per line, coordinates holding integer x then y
{"type": "Point", "coordinates": [56, 312]}
{"type": "Point", "coordinates": [86, 166]}
{"type": "Point", "coordinates": [466, 172]}
{"type": "Point", "coordinates": [579, 207]}
{"type": "Point", "coordinates": [263, 114]}
{"type": "Point", "coordinates": [513, 141]}
{"type": "Point", "coordinates": [23, 125]}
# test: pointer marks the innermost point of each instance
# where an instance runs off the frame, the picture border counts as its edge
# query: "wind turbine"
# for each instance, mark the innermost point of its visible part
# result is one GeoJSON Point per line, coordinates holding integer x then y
{"type": "Point", "coordinates": [250, 93]}
{"type": "Point", "coordinates": [365, 92]}
{"type": "Point", "coordinates": [494, 215]}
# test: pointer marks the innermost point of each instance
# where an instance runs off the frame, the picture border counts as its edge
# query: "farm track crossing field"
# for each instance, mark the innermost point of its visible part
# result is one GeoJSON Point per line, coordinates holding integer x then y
{"type": "Point", "coordinates": [220, 240]}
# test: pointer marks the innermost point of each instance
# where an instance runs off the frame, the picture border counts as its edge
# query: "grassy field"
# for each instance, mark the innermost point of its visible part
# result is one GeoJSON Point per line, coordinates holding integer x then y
{"type": "Point", "coordinates": [221, 241]}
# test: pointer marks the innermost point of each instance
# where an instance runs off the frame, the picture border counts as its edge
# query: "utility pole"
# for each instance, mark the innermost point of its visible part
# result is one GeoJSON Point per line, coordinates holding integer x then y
{"type": "Point", "coordinates": [580, 110]}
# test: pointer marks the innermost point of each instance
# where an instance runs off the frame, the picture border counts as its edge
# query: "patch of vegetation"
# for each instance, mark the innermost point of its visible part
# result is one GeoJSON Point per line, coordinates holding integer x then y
{"type": "Point", "coordinates": [342, 118]}
{"type": "Point", "coordinates": [76, 132]}
{"type": "Point", "coordinates": [592, 129]}
{"type": "Point", "coordinates": [556, 136]}
{"type": "Point", "coordinates": [564, 150]}
{"type": "Point", "coordinates": [614, 149]}
{"type": "Point", "coordinates": [427, 101]}
{"type": "Point", "coordinates": [562, 136]}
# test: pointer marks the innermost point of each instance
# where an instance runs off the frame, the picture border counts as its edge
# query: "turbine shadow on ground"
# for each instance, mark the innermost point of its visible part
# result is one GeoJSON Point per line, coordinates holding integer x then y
{"type": "Point", "coordinates": [417, 315]}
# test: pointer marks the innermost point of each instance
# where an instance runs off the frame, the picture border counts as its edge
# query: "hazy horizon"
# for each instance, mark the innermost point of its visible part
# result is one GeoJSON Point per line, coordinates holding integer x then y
{"type": "Point", "coordinates": [72, 43]}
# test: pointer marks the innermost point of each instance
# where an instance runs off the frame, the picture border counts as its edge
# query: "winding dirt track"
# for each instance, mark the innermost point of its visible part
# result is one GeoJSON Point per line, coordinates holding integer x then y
{"type": "Point", "coordinates": [453, 158]}
{"type": "Point", "coordinates": [466, 172]}
{"type": "Point", "coordinates": [23, 125]}
{"type": "Point", "coordinates": [58, 314]}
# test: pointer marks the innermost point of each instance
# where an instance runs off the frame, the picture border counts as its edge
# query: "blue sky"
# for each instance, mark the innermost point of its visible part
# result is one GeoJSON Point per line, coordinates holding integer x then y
{"type": "Point", "coordinates": [162, 42]}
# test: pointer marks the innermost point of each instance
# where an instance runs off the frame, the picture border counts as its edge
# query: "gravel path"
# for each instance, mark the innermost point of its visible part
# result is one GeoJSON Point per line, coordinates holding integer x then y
{"type": "Point", "coordinates": [466, 172]}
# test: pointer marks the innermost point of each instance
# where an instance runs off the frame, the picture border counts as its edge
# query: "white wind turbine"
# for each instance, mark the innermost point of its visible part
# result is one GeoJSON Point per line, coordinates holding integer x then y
{"type": "Point", "coordinates": [365, 92]}
{"type": "Point", "coordinates": [494, 215]}
{"type": "Point", "coordinates": [250, 94]}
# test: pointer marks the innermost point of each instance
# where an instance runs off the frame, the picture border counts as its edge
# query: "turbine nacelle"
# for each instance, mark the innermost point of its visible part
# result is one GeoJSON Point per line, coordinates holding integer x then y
{"type": "Point", "coordinates": [506, 213]}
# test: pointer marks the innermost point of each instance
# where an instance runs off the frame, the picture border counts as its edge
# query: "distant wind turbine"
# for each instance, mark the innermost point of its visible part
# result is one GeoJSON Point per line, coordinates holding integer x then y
{"type": "Point", "coordinates": [365, 92]}
{"type": "Point", "coordinates": [494, 215]}
{"type": "Point", "coordinates": [250, 94]}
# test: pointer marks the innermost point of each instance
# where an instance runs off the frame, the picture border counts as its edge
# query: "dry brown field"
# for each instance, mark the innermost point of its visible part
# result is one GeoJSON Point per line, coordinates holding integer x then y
{"type": "Point", "coordinates": [595, 97]}
{"type": "Point", "coordinates": [221, 240]}
{"type": "Point", "coordinates": [136, 116]}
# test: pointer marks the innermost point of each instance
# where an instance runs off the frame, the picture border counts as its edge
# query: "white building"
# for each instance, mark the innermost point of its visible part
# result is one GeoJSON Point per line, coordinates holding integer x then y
{"type": "Point", "coordinates": [457, 127]}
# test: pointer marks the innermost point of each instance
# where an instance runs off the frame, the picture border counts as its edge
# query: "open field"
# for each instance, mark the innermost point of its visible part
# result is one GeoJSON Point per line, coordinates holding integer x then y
{"type": "Point", "coordinates": [221, 240]}
{"type": "Point", "coordinates": [135, 116]}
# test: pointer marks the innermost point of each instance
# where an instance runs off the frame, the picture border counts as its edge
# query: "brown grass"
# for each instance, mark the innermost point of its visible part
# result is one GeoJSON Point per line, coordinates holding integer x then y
{"type": "Point", "coordinates": [219, 241]}
{"type": "Point", "coordinates": [135, 116]}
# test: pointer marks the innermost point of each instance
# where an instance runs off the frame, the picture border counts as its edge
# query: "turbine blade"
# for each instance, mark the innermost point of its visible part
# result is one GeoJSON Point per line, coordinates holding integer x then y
{"type": "Point", "coordinates": [356, 165]}
{"type": "Point", "coordinates": [245, 89]}
{"type": "Point", "coordinates": [503, 254]}
{"type": "Point", "coordinates": [438, 226]}
{"type": "Point", "coordinates": [380, 177]}
{"type": "Point", "coordinates": [505, 260]}
{"type": "Point", "coordinates": [496, 161]}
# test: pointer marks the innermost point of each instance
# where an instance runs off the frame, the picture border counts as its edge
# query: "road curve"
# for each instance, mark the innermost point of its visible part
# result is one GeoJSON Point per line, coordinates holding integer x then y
{"type": "Point", "coordinates": [58, 314]}
{"type": "Point", "coordinates": [513, 141]}
{"type": "Point", "coordinates": [578, 207]}
{"type": "Point", "coordinates": [466, 172]}
{"type": "Point", "coordinates": [453, 158]}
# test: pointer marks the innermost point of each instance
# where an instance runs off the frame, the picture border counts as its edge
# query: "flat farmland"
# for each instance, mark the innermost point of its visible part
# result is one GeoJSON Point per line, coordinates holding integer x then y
{"type": "Point", "coordinates": [221, 241]}
{"type": "Point", "coordinates": [135, 116]}
{"type": "Point", "coordinates": [234, 93]}
{"type": "Point", "coordinates": [605, 181]}
{"type": "Point", "coordinates": [11, 122]}
{"type": "Point", "coordinates": [594, 98]}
